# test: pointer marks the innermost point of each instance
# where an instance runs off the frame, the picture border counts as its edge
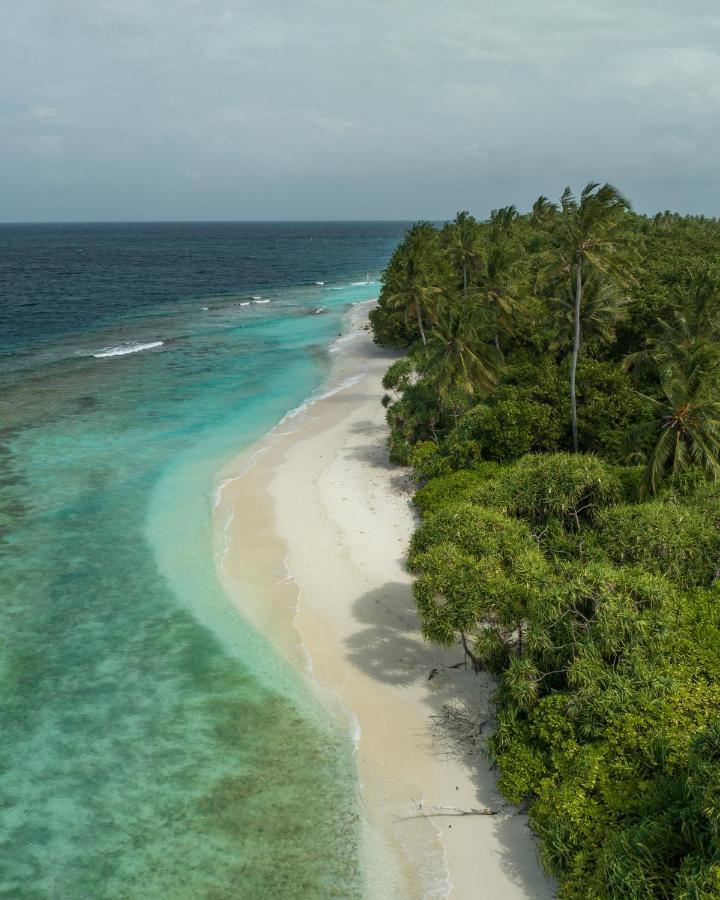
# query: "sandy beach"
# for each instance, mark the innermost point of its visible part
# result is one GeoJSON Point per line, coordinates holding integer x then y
{"type": "Point", "coordinates": [313, 526]}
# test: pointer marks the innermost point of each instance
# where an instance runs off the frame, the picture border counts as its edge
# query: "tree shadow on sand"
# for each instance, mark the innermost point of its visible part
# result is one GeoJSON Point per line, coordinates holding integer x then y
{"type": "Point", "coordinates": [391, 650]}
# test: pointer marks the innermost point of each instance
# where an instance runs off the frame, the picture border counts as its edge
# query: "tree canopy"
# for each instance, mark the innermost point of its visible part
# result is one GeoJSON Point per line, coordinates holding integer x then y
{"type": "Point", "coordinates": [559, 406]}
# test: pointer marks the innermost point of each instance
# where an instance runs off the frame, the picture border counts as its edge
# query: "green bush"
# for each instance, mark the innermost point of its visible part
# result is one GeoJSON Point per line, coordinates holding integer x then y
{"type": "Point", "coordinates": [504, 430]}
{"type": "Point", "coordinates": [672, 539]}
{"type": "Point", "coordinates": [477, 572]}
{"type": "Point", "coordinates": [391, 327]}
{"type": "Point", "coordinates": [428, 462]}
{"type": "Point", "coordinates": [449, 593]}
{"type": "Point", "coordinates": [607, 408]}
{"type": "Point", "coordinates": [563, 486]}
{"type": "Point", "coordinates": [400, 449]}
{"type": "Point", "coordinates": [462, 454]}
{"type": "Point", "coordinates": [476, 530]}
{"type": "Point", "coordinates": [455, 487]}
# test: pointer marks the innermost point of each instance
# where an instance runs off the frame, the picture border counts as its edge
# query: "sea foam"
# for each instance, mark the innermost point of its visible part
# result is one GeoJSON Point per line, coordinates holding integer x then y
{"type": "Point", "coordinates": [124, 349]}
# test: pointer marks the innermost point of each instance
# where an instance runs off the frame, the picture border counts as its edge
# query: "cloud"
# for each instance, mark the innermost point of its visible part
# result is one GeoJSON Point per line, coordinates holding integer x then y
{"type": "Point", "coordinates": [386, 108]}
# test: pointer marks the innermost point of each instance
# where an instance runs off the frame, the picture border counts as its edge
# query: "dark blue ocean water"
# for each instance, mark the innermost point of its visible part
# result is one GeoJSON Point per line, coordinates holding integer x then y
{"type": "Point", "coordinates": [152, 744]}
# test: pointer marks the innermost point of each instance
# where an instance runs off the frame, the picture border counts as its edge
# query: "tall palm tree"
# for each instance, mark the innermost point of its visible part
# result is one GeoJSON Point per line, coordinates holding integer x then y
{"type": "Point", "coordinates": [504, 218]}
{"type": "Point", "coordinates": [688, 339]}
{"type": "Point", "coordinates": [414, 287]}
{"type": "Point", "coordinates": [463, 247]}
{"type": "Point", "coordinates": [495, 295]}
{"type": "Point", "coordinates": [603, 307]}
{"type": "Point", "coordinates": [458, 355]}
{"type": "Point", "coordinates": [543, 211]}
{"type": "Point", "coordinates": [586, 239]}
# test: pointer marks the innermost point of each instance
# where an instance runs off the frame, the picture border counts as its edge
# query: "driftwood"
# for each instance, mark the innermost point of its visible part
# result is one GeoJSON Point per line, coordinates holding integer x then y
{"type": "Point", "coordinates": [459, 727]}
{"type": "Point", "coordinates": [454, 811]}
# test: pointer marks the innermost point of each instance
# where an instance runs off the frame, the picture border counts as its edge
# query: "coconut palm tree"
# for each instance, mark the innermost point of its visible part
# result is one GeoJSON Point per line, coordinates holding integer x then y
{"type": "Point", "coordinates": [414, 286]}
{"type": "Point", "coordinates": [688, 420]}
{"type": "Point", "coordinates": [543, 211]}
{"type": "Point", "coordinates": [689, 338]}
{"type": "Point", "coordinates": [586, 239]}
{"type": "Point", "coordinates": [504, 218]}
{"type": "Point", "coordinates": [685, 359]}
{"type": "Point", "coordinates": [463, 247]}
{"type": "Point", "coordinates": [603, 307]}
{"type": "Point", "coordinates": [495, 297]}
{"type": "Point", "coordinates": [458, 355]}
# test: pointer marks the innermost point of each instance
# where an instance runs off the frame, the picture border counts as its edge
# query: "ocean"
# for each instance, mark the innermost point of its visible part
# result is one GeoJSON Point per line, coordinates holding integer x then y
{"type": "Point", "coordinates": [152, 742]}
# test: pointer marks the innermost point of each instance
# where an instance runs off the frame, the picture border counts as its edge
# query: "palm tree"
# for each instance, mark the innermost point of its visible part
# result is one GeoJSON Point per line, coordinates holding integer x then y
{"type": "Point", "coordinates": [413, 287]}
{"type": "Point", "coordinates": [586, 239]}
{"type": "Point", "coordinates": [689, 426]}
{"type": "Point", "coordinates": [504, 218]}
{"type": "Point", "coordinates": [689, 338]}
{"type": "Point", "coordinates": [496, 285]}
{"type": "Point", "coordinates": [603, 307]}
{"type": "Point", "coordinates": [543, 211]}
{"type": "Point", "coordinates": [457, 355]}
{"type": "Point", "coordinates": [463, 247]}
{"type": "Point", "coordinates": [685, 357]}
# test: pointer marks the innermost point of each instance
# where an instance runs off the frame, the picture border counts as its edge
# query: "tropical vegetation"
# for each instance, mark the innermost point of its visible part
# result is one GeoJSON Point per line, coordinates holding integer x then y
{"type": "Point", "coordinates": [558, 398]}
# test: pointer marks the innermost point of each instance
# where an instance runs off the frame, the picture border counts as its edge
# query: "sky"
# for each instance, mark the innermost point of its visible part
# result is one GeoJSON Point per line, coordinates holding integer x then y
{"type": "Point", "coordinates": [353, 109]}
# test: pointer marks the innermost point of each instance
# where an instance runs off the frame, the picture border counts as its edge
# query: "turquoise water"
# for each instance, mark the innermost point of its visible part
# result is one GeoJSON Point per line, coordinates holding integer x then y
{"type": "Point", "coordinates": [152, 743]}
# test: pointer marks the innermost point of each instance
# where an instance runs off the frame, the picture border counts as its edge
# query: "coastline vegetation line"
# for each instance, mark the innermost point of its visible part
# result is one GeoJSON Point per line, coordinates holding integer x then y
{"type": "Point", "coordinates": [559, 403]}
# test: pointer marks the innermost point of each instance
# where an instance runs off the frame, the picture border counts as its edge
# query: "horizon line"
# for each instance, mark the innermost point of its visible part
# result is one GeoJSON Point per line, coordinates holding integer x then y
{"type": "Point", "coordinates": [213, 221]}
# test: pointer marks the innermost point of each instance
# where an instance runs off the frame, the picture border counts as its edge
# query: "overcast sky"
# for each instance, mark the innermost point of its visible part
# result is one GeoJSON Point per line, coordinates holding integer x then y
{"type": "Point", "coordinates": [267, 109]}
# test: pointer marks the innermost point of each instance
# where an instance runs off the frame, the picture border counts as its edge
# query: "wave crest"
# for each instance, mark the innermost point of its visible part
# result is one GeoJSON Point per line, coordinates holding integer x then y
{"type": "Point", "coordinates": [124, 349]}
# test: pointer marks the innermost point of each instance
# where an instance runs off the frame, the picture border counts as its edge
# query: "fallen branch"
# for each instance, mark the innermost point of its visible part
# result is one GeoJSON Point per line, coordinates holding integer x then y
{"type": "Point", "coordinates": [455, 811]}
{"type": "Point", "coordinates": [458, 726]}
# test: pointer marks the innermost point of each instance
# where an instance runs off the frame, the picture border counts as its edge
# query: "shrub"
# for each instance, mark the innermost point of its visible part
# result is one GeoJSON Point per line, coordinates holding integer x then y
{"type": "Point", "coordinates": [448, 593]}
{"type": "Point", "coordinates": [391, 327]}
{"type": "Point", "coordinates": [563, 486]}
{"type": "Point", "coordinates": [477, 572]}
{"type": "Point", "coordinates": [428, 462]}
{"type": "Point", "coordinates": [462, 454]}
{"type": "Point", "coordinates": [400, 449]}
{"type": "Point", "coordinates": [673, 539]}
{"type": "Point", "coordinates": [476, 530]}
{"type": "Point", "coordinates": [607, 407]}
{"type": "Point", "coordinates": [453, 488]}
{"type": "Point", "coordinates": [399, 376]}
{"type": "Point", "coordinates": [505, 430]}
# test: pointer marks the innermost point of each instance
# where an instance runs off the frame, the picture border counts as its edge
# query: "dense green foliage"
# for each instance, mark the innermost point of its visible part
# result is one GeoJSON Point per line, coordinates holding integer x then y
{"type": "Point", "coordinates": [559, 405]}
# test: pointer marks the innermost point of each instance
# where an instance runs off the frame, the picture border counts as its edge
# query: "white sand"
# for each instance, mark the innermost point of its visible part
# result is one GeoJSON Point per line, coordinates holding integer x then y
{"type": "Point", "coordinates": [317, 530]}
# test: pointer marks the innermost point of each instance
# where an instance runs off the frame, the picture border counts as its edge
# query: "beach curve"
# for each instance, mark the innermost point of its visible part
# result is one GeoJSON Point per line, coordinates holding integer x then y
{"type": "Point", "coordinates": [312, 526]}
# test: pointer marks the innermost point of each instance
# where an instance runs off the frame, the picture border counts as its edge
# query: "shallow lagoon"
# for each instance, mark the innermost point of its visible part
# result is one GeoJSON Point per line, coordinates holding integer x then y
{"type": "Point", "coordinates": [153, 744]}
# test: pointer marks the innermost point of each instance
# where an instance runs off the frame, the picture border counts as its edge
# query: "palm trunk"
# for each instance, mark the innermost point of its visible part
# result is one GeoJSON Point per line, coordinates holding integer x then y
{"type": "Point", "coordinates": [497, 343]}
{"type": "Point", "coordinates": [420, 323]}
{"type": "Point", "coordinates": [575, 351]}
{"type": "Point", "coordinates": [465, 280]}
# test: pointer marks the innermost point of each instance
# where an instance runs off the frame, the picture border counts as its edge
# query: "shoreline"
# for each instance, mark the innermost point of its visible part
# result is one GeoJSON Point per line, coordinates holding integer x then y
{"type": "Point", "coordinates": [313, 525]}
